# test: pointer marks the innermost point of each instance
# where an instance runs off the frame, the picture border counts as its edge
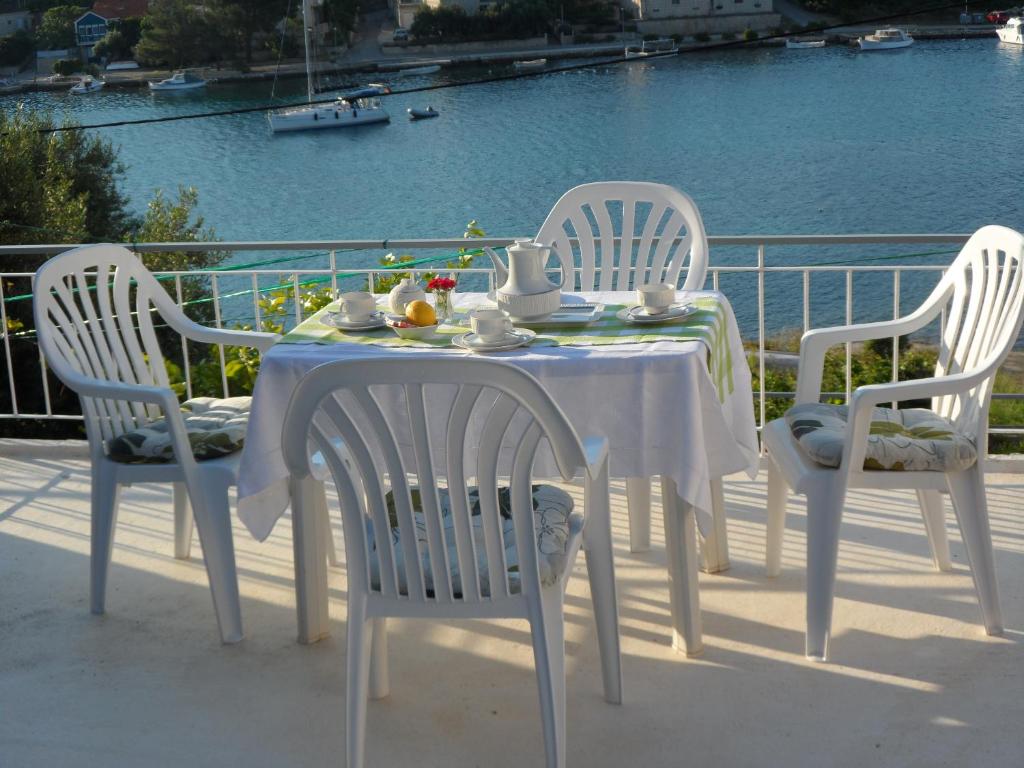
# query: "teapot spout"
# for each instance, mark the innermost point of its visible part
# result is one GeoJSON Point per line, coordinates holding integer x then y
{"type": "Point", "coordinates": [500, 272]}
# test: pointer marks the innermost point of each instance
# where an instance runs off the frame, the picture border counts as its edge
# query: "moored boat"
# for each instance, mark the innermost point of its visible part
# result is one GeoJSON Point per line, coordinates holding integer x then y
{"type": "Point", "coordinates": [796, 43]}
{"type": "Point", "coordinates": [530, 65]}
{"type": "Point", "coordinates": [358, 107]}
{"type": "Point", "coordinates": [422, 114]}
{"type": "Point", "coordinates": [425, 70]}
{"type": "Point", "coordinates": [885, 39]}
{"type": "Point", "coordinates": [1013, 32]}
{"type": "Point", "coordinates": [179, 81]}
{"type": "Point", "coordinates": [87, 84]}
{"type": "Point", "coordinates": [663, 46]}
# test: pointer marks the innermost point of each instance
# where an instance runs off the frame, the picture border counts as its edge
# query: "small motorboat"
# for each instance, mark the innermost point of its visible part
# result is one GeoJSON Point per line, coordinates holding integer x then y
{"type": "Point", "coordinates": [1012, 32]}
{"type": "Point", "coordinates": [179, 81]}
{"type": "Point", "coordinates": [530, 65]}
{"type": "Point", "coordinates": [662, 46]}
{"type": "Point", "coordinates": [796, 43]}
{"type": "Point", "coordinates": [422, 114]}
{"type": "Point", "coordinates": [425, 70]}
{"type": "Point", "coordinates": [885, 39]}
{"type": "Point", "coordinates": [87, 84]}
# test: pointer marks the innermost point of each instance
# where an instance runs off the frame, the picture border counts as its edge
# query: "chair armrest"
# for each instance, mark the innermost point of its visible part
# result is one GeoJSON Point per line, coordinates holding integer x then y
{"type": "Point", "coordinates": [815, 343]}
{"type": "Point", "coordinates": [867, 397]}
{"type": "Point", "coordinates": [595, 453]}
{"type": "Point", "coordinates": [116, 390]}
{"type": "Point", "coordinates": [257, 339]}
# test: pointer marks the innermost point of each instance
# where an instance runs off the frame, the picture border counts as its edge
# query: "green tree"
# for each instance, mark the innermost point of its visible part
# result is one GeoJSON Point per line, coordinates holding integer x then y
{"type": "Point", "coordinates": [249, 18]}
{"type": "Point", "coordinates": [57, 29]}
{"type": "Point", "coordinates": [112, 46]}
{"type": "Point", "coordinates": [64, 187]}
{"type": "Point", "coordinates": [179, 32]}
{"type": "Point", "coordinates": [15, 49]}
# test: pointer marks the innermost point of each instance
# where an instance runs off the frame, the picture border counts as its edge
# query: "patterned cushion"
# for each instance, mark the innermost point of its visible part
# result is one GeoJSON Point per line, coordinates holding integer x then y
{"type": "Point", "coordinates": [554, 523]}
{"type": "Point", "coordinates": [216, 427]}
{"type": "Point", "coordinates": [910, 439]}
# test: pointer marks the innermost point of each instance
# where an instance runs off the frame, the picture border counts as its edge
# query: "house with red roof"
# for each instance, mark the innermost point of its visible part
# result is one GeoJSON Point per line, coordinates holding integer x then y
{"type": "Point", "coordinates": [92, 25]}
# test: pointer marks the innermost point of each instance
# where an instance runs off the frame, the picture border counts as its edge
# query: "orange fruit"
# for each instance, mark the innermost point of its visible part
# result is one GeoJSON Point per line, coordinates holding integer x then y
{"type": "Point", "coordinates": [420, 313]}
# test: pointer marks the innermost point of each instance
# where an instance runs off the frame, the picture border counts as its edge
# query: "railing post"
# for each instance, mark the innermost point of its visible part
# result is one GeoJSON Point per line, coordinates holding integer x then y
{"type": "Point", "coordinates": [849, 346]}
{"type": "Point", "coordinates": [895, 316]}
{"type": "Point", "coordinates": [184, 341]}
{"type": "Point", "coordinates": [7, 350]}
{"type": "Point", "coordinates": [220, 347]}
{"type": "Point", "coordinates": [760, 333]}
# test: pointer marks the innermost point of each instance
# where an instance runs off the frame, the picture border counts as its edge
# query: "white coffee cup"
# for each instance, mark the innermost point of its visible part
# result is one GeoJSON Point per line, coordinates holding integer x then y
{"type": "Point", "coordinates": [357, 305]}
{"type": "Point", "coordinates": [655, 298]}
{"type": "Point", "coordinates": [490, 324]}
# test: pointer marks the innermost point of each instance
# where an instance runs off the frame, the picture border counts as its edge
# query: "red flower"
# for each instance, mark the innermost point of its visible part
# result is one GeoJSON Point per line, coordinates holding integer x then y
{"type": "Point", "coordinates": [441, 284]}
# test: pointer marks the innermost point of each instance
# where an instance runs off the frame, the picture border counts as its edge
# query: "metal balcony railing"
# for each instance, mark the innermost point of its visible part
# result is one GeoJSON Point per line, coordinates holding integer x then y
{"type": "Point", "coordinates": [740, 267]}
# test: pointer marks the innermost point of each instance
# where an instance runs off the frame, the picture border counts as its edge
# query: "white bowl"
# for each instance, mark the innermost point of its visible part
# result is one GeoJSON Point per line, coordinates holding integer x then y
{"type": "Point", "coordinates": [415, 332]}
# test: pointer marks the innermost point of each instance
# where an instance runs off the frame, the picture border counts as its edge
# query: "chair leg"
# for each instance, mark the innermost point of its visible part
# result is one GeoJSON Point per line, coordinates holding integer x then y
{"type": "Point", "coordinates": [548, 631]}
{"type": "Point", "coordinates": [324, 517]}
{"type": "Point", "coordinates": [597, 537]}
{"type": "Point", "coordinates": [106, 493]}
{"type": "Point", "coordinates": [714, 550]}
{"type": "Point", "coordinates": [933, 512]}
{"type": "Point", "coordinates": [824, 515]}
{"type": "Point", "coordinates": [213, 520]}
{"type": "Point", "coordinates": [776, 524]}
{"type": "Point", "coordinates": [182, 522]}
{"type": "Point", "coordinates": [380, 684]}
{"type": "Point", "coordinates": [638, 501]}
{"type": "Point", "coordinates": [967, 490]}
{"type": "Point", "coordinates": [681, 554]}
{"type": "Point", "coordinates": [358, 680]}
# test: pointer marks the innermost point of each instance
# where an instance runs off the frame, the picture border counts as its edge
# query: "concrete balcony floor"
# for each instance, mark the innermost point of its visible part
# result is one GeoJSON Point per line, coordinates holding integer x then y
{"type": "Point", "coordinates": [913, 682]}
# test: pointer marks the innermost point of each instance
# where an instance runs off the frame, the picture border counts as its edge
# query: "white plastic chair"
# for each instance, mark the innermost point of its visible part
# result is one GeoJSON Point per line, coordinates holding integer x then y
{"type": "Point", "coordinates": [625, 233]}
{"type": "Point", "coordinates": [983, 293]}
{"type": "Point", "coordinates": [605, 217]}
{"type": "Point", "coordinates": [382, 421]}
{"type": "Point", "coordinates": [95, 322]}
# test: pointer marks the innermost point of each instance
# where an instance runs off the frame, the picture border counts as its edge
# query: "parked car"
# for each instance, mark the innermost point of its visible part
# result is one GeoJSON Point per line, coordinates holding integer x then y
{"type": "Point", "coordinates": [998, 17]}
{"type": "Point", "coordinates": [401, 35]}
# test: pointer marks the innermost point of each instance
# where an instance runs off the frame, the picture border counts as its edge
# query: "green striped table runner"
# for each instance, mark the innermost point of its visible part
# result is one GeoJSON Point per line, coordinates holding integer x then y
{"type": "Point", "coordinates": [708, 324]}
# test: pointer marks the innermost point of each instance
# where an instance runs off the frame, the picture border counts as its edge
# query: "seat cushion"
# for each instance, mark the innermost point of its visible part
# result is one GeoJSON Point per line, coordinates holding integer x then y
{"type": "Point", "coordinates": [554, 522]}
{"type": "Point", "coordinates": [215, 426]}
{"type": "Point", "coordinates": [908, 439]}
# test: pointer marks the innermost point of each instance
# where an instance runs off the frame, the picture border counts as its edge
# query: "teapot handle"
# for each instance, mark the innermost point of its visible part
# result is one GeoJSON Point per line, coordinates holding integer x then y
{"type": "Point", "coordinates": [566, 265]}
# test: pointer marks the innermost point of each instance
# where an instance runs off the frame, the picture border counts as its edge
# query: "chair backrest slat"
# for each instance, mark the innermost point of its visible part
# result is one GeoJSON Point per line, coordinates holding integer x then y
{"type": "Point", "coordinates": [430, 502]}
{"type": "Point", "coordinates": [661, 213]}
{"type": "Point", "coordinates": [401, 493]}
{"type": "Point", "coordinates": [495, 418]}
{"type": "Point", "coordinates": [458, 422]}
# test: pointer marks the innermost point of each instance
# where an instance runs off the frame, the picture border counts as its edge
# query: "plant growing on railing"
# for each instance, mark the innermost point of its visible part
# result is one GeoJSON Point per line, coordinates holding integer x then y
{"type": "Point", "coordinates": [382, 283]}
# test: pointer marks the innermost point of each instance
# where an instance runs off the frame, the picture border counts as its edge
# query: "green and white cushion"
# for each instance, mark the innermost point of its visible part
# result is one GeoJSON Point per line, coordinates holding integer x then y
{"type": "Point", "coordinates": [909, 439]}
{"type": "Point", "coordinates": [215, 427]}
{"type": "Point", "coordinates": [554, 523]}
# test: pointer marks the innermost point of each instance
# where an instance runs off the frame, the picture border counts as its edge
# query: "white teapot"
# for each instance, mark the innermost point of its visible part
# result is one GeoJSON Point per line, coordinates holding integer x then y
{"type": "Point", "coordinates": [407, 290]}
{"type": "Point", "coordinates": [523, 288]}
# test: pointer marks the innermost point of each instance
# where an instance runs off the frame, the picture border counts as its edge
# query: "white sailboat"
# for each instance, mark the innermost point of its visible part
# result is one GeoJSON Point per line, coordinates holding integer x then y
{"type": "Point", "coordinates": [357, 108]}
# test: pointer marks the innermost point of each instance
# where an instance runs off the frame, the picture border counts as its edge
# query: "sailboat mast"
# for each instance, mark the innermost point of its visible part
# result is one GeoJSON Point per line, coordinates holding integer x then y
{"type": "Point", "coordinates": [307, 38]}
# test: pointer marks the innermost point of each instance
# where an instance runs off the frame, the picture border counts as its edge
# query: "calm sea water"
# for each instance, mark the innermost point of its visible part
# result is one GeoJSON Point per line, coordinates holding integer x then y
{"type": "Point", "coordinates": [767, 141]}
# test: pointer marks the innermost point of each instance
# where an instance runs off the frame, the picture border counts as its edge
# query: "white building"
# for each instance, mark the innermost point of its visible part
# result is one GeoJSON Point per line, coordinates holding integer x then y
{"type": "Point", "coordinates": [14, 21]}
{"type": "Point", "coordinates": [689, 17]}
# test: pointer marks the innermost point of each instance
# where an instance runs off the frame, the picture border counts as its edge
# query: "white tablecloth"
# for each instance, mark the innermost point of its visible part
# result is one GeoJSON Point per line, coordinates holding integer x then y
{"type": "Point", "coordinates": [654, 402]}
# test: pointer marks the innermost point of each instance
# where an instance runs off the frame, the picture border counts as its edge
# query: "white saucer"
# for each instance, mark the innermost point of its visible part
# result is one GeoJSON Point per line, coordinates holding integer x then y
{"type": "Point", "coordinates": [337, 320]}
{"type": "Point", "coordinates": [640, 315]}
{"type": "Point", "coordinates": [512, 340]}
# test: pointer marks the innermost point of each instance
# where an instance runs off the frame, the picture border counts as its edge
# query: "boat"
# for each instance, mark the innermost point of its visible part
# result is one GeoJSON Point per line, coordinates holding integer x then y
{"type": "Point", "coordinates": [1013, 32]}
{"type": "Point", "coordinates": [885, 39]}
{"type": "Point", "coordinates": [425, 70]}
{"type": "Point", "coordinates": [530, 65]}
{"type": "Point", "coordinates": [87, 84]}
{"type": "Point", "coordinates": [359, 107]}
{"type": "Point", "coordinates": [663, 46]}
{"type": "Point", "coordinates": [795, 43]}
{"type": "Point", "coordinates": [179, 81]}
{"type": "Point", "coordinates": [422, 114]}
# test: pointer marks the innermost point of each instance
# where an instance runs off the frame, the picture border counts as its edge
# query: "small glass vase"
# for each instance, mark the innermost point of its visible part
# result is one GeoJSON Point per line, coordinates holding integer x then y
{"type": "Point", "coordinates": [444, 305]}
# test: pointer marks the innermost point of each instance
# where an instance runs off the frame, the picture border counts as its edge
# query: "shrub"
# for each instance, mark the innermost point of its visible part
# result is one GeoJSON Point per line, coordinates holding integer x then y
{"type": "Point", "coordinates": [749, 34]}
{"type": "Point", "coordinates": [67, 66]}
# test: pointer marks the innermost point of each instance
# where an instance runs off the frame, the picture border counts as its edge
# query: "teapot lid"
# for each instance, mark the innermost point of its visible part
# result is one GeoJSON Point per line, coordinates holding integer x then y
{"type": "Point", "coordinates": [525, 243]}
